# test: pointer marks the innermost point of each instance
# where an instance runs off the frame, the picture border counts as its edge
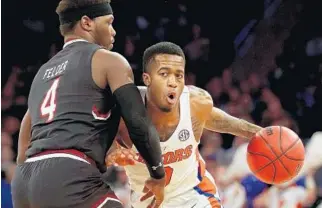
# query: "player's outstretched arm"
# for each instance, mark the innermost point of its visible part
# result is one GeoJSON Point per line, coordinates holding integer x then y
{"type": "Point", "coordinates": [24, 137]}
{"type": "Point", "coordinates": [119, 77]}
{"type": "Point", "coordinates": [222, 122]}
{"type": "Point", "coordinates": [219, 121]}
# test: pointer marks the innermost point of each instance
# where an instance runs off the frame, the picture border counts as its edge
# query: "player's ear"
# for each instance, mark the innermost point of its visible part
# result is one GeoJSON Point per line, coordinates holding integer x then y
{"type": "Point", "coordinates": [86, 23]}
{"type": "Point", "coordinates": [146, 79]}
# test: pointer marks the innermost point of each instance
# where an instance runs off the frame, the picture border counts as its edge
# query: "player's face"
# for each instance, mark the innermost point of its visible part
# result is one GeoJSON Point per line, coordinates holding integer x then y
{"type": "Point", "coordinates": [104, 31]}
{"type": "Point", "coordinates": [165, 80]}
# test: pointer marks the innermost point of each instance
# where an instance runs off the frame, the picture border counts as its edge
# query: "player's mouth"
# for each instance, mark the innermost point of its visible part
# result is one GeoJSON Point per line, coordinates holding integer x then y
{"type": "Point", "coordinates": [171, 98]}
{"type": "Point", "coordinates": [112, 44]}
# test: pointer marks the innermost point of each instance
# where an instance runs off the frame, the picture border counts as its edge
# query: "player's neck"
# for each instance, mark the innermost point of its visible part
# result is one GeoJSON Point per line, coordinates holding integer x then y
{"type": "Point", "coordinates": [71, 37]}
{"type": "Point", "coordinates": [160, 117]}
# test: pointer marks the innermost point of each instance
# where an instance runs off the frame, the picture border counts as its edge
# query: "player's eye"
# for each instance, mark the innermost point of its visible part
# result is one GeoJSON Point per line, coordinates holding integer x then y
{"type": "Point", "coordinates": [164, 74]}
{"type": "Point", "coordinates": [179, 76]}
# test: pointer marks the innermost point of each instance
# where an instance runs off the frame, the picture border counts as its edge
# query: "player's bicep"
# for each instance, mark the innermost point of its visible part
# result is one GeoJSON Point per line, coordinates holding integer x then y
{"type": "Point", "coordinates": [119, 73]}
{"type": "Point", "coordinates": [219, 121]}
{"type": "Point", "coordinates": [115, 67]}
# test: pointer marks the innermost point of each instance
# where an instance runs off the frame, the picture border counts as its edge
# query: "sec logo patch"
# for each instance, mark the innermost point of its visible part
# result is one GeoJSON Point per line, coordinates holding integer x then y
{"type": "Point", "coordinates": [184, 135]}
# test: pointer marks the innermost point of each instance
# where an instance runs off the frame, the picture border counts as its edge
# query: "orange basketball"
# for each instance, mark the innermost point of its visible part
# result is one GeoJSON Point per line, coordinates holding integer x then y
{"type": "Point", "coordinates": [275, 154]}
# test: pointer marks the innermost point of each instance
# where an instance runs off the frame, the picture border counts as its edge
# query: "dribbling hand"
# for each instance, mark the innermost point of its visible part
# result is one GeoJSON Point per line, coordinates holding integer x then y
{"type": "Point", "coordinates": [121, 157]}
{"type": "Point", "coordinates": [154, 187]}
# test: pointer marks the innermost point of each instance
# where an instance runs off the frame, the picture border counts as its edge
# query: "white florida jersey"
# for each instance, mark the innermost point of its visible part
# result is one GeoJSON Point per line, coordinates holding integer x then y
{"type": "Point", "coordinates": [185, 169]}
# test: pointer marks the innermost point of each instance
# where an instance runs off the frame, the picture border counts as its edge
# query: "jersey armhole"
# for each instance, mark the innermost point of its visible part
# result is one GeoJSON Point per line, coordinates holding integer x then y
{"type": "Point", "coordinates": [91, 70]}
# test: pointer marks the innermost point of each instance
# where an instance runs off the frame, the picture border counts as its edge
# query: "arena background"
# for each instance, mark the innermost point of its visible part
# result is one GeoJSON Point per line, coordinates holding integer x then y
{"type": "Point", "coordinates": [260, 61]}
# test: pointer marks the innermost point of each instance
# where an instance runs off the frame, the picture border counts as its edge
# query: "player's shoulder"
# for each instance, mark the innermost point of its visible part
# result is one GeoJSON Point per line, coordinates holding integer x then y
{"type": "Point", "coordinates": [109, 62]}
{"type": "Point", "coordinates": [110, 57]}
{"type": "Point", "coordinates": [200, 99]}
{"type": "Point", "coordinates": [199, 95]}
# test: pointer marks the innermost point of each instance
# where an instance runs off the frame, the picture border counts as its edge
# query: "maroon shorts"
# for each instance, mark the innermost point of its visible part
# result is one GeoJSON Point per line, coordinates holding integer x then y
{"type": "Point", "coordinates": [50, 179]}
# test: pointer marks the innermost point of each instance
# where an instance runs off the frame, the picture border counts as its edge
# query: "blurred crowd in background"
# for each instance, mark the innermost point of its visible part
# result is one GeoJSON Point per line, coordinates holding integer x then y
{"type": "Point", "coordinates": [261, 60]}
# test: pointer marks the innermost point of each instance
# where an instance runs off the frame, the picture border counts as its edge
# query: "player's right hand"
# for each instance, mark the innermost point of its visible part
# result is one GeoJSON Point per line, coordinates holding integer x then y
{"type": "Point", "coordinates": [121, 157]}
{"type": "Point", "coordinates": [154, 187]}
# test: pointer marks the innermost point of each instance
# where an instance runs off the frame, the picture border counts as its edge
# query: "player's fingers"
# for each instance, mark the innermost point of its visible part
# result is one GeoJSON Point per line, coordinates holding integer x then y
{"type": "Point", "coordinates": [135, 156]}
{"type": "Point", "coordinates": [121, 159]}
{"type": "Point", "coordinates": [121, 155]}
{"type": "Point", "coordinates": [152, 204]}
{"type": "Point", "coordinates": [126, 162]}
{"type": "Point", "coordinates": [109, 157]}
{"type": "Point", "coordinates": [157, 203]}
{"type": "Point", "coordinates": [146, 196]}
{"type": "Point", "coordinates": [109, 161]}
{"type": "Point", "coordinates": [158, 199]}
{"type": "Point", "coordinates": [112, 157]}
{"type": "Point", "coordinates": [130, 162]}
{"type": "Point", "coordinates": [130, 159]}
{"type": "Point", "coordinates": [127, 156]}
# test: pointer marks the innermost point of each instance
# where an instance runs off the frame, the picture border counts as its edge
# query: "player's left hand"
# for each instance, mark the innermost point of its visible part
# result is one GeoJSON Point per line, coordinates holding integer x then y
{"type": "Point", "coordinates": [154, 187]}
{"type": "Point", "coordinates": [147, 195]}
{"type": "Point", "coordinates": [152, 204]}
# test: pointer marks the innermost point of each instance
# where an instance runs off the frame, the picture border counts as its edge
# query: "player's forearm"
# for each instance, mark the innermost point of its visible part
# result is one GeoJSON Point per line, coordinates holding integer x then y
{"type": "Point", "coordinates": [141, 130]}
{"type": "Point", "coordinates": [9, 169]}
{"type": "Point", "coordinates": [24, 138]}
{"type": "Point", "coordinates": [243, 128]}
{"type": "Point", "coordinates": [224, 123]}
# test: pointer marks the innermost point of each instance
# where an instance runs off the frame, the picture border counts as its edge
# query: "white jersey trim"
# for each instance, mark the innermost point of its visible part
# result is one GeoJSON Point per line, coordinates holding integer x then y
{"type": "Point", "coordinates": [106, 200]}
{"type": "Point", "coordinates": [55, 155]}
{"type": "Point", "coordinates": [74, 41]}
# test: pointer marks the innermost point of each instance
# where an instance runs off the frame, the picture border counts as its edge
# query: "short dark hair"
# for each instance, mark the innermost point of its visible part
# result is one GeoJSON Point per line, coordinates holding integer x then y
{"type": "Point", "coordinates": [69, 4]}
{"type": "Point", "coordinates": [161, 48]}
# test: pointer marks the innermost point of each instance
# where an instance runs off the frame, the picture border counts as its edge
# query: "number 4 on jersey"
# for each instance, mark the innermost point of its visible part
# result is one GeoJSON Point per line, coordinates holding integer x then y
{"type": "Point", "coordinates": [48, 105]}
